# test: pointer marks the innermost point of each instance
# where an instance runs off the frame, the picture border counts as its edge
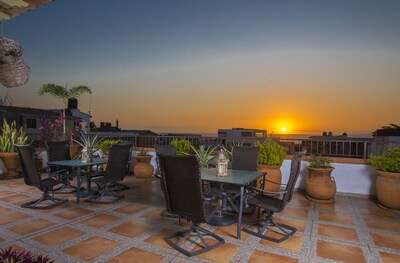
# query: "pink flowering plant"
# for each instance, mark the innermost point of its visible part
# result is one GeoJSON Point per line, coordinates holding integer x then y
{"type": "Point", "coordinates": [52, 130]}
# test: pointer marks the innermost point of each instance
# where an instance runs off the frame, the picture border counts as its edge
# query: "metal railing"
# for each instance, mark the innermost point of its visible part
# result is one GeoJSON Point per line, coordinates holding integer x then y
{"type": "Point", "coordinates": [334, 148]}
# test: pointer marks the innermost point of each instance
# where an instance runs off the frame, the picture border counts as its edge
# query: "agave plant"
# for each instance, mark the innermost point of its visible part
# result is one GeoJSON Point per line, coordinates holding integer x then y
{"type": "Point", "coordinates": [228, 151]}
{"type": "Point", "coordinates": [204, 154]}
{"type": "Point", "coordinates": [10, 255]}
{"type": "Point", "coordinates": [11, 136]}
{"type": "Point", "coordinates": [88, 143]}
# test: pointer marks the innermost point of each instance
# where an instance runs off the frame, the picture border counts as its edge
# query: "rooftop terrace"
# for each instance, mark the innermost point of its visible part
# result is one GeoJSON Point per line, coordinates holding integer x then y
{"type": "Point", "coordinates": [352, 230]}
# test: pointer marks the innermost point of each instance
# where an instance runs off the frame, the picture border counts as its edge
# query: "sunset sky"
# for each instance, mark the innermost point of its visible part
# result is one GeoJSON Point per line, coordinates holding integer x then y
{"type": "Point", "coordinates": [196, 66]}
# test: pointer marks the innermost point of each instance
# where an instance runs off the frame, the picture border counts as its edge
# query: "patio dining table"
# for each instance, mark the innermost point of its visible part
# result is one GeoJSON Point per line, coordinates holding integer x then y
{"type": "Point", "coordinates": [79, 165]}
{"type": "Point", "coordinates": [241, 178]}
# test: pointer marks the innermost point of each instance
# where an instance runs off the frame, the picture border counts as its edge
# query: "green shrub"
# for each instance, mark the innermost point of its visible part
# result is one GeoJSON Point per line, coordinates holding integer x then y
{"type": "Point", "coordinates": [182, 146]}
{"type": "Point", "coordinates": [317, 161]}
{"type": "Point", "coordinates": [105, 145]}
{"type": "Point", "coordinates": [271, 152]}
{"type": "Point", "coordinates": [389, 161]}
{"type": "Point", "coordinates": [11, 135]}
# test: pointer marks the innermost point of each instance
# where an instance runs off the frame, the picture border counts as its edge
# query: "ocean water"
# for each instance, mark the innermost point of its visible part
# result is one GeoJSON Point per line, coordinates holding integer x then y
{"type": "Point", "coordinates": [299, 136]}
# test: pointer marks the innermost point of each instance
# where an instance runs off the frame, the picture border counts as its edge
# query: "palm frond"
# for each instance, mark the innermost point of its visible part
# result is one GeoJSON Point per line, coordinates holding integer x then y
{"type": "Point", "coordinates": [78, 90]}
{"type": "Point", "coordinates": [54, 90]}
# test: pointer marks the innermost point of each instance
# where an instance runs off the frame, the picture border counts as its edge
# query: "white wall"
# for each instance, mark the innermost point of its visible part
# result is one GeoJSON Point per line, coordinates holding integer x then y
{"type": "Point", "coordinates": [350, 178]}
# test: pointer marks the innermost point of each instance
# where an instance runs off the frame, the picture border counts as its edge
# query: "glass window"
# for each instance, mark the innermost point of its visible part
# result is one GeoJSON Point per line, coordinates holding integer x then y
{"type": "Point", "coordinates": [31, 123]}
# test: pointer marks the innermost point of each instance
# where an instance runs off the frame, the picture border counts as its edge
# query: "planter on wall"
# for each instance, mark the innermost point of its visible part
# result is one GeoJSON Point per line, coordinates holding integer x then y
{"type": "Point", "coordinates": [274, 174]}
{"type": "Point", "coordinates": [143, 170]}
{"type": "Point", "coordinates": [11, 162]}
{"type": "Point", "coordinates": [320, 185]}
{"type": "Point", "coordinates": [388, 190]}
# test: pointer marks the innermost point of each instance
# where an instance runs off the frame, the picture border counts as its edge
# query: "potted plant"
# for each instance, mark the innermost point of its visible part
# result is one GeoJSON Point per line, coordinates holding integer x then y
{"type": "Point", "coordinates": [182, 146]}
{"type": "Point", "coordinates": [88, 144]}
{"type": "Point", "coordinates": [320, 185]}
{"type": "Point", "coordinates": [105, 146]}
{"type": "Point", "coordinates": [11, 254]}
{"type": "Point", "coordinates": [387, 166]}
{"type": "Point", "coordinates": [204, 154]}
{"type": "Point", "coordinates": [143, 169]}
{"type": "Point", "coordinates": [8, 154]}
{"type": "Point", "coordinates": [270, 159]}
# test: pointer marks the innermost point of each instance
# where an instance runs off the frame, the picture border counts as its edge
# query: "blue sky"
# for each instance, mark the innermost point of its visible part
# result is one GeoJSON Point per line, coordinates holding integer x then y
{"type": "Point", "coordinates": [197, 66]}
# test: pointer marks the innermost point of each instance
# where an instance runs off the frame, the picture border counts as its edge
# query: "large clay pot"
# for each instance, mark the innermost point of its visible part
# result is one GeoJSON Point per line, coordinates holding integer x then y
{"type": "Point", "coordinates": [274, 174]}
{"type": "Point", "coordinates": [388, 190]}
{"type": "Point", "coordinates": [143, 170]}
{"type": "Point", "coordinates": [11, 162]}
{"type": "Point", "coordinates": [320, 185]}
{"type": "Point", "coordinates": [73, 150]}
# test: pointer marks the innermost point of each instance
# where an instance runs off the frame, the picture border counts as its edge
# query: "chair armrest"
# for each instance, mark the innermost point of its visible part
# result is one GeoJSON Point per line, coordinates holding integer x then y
{"type": "Point", "coordinates": [52, 173]}
{"type": "Point", "coordinates": [273, 182]}
{"type": "Point", "coordinates": [259, 191]}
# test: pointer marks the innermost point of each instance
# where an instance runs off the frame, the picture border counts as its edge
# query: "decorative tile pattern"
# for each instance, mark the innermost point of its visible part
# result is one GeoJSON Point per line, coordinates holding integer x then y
{"type": "Point", "coordinates": [351, 230]}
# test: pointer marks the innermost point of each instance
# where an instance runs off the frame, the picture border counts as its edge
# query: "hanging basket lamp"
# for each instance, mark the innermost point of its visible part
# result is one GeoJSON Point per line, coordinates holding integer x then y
{"type": "Point", "coordinates": [13, 71]}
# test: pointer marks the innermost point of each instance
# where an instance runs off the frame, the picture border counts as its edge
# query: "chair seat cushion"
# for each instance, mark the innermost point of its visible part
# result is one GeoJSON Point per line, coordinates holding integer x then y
{"type": "Point", "coordinates": [269, 203]}
{"type": "Point", "coordinates": [49, 182]}
{"type": "Point", "coordinates": [102, 180]}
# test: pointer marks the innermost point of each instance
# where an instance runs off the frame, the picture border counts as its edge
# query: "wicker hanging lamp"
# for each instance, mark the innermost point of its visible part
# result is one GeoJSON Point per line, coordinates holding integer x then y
{"type": "Point", "coordinates": [13, 71]}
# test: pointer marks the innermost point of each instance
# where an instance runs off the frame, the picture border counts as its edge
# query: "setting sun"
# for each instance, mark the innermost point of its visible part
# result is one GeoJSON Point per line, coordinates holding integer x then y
{"type": "Point", "coordinates": [283, 129]}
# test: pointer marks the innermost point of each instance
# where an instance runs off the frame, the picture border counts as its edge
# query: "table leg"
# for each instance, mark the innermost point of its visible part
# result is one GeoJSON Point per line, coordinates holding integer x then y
{"type": "Point", "coordinates": [239, 223]}
{"type": "Point", "coordinates": [78, 184]}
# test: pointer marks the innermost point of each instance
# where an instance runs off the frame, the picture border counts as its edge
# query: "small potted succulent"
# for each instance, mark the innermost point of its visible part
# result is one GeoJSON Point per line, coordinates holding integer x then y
{"type": "Point", "coordinates": [320, 185]}
{"type": "Point", "coordinates": [387, 166]}
{"type": "Point", "coordinates": [143, 169]}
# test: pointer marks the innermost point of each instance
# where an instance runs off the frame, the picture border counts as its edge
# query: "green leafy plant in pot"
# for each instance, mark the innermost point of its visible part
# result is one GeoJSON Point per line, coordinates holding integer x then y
{"type": "Point", "coordinates": [320, 185]}
{"type": "Point", "coordinates": [8, 153]}
{"type": "Point", "coordinates": [270, 159]}
{"type": "Point", "coordinates": [387, 166]}
{"type": "Point", "coordinates": [182, 146]}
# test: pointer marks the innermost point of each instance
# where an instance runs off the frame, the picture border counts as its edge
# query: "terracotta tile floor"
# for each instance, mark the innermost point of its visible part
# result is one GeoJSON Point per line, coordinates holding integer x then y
{"type": "Point", "coordinates": [351, 230]}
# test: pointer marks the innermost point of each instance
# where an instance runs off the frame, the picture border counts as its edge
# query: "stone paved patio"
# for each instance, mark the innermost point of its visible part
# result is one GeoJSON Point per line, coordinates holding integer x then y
{"type": "Point", "coordinates": [351, 230]}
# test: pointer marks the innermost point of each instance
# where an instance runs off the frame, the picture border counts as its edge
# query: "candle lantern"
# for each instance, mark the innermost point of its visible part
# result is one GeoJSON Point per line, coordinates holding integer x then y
{"type": "Point", "coordinates": [222, 165]}
{"type": "Point", "coordinates": [85, 155]}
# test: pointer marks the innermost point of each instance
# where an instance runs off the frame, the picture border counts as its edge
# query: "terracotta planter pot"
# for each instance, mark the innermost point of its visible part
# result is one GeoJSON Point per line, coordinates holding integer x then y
{"type": "Point", "coordinates": [104, 166]}
{"type": "Point", "coordinates": [388, 190]}
{"type": "Point", "coordinates": [143, 170]}
{"type": "Point", "coordinates": [73, 150]}
{"type": "Point", "coordinates": [11, 162]}
{"type": "Point", "coordinates": [320, 185]}
{"type": "Point", "coordinates": [274, 174]}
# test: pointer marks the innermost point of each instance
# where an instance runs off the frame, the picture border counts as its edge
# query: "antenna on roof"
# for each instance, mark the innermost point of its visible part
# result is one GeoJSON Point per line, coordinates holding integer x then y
{"type": "Point", "coordinates": [90, 103]}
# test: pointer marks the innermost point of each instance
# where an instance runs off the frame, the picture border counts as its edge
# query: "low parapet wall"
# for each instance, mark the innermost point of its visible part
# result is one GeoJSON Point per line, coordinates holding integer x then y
{"type": "Point", "coordinates": [352, 177]}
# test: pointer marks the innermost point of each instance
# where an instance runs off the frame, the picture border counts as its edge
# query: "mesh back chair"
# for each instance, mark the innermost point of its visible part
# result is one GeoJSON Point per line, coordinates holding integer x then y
{"type": "Point", "coordinates": [115, 172]}
{"type": "Point", "coordinates": [183, 194]}
{"type": "Point", "coordinates": [165, 150]}
{"type": "Point", "coordinates": [243, 158]}
{"type": "Point", "coordinates": [33, 178]}
{"type": "Point", "coordinates": [273, 204]}
{"type": "Point", "coordinates": [118, 186]}
{"type": "Point", "coordinates": [59, 151]}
